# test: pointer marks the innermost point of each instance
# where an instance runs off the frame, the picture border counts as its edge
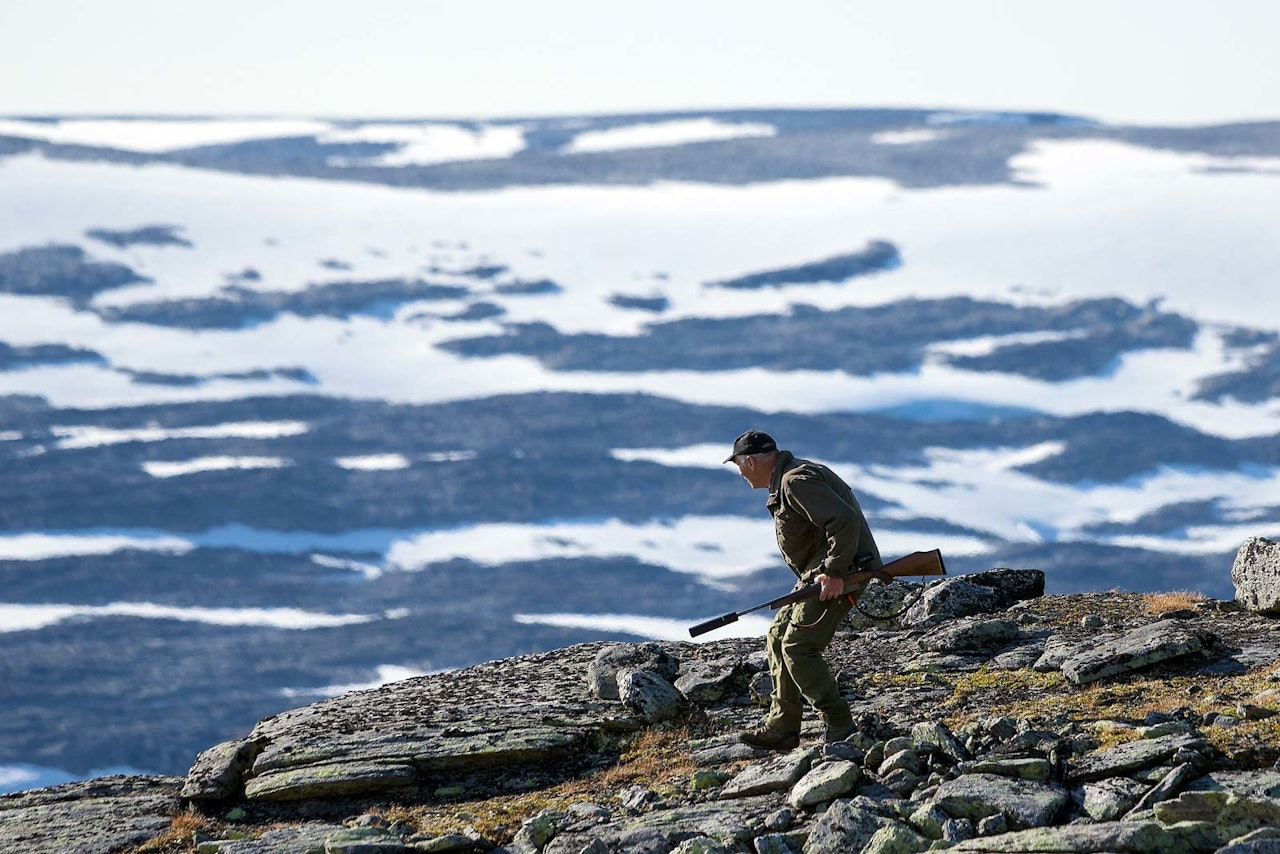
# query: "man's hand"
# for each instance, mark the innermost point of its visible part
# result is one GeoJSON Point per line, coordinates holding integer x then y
{"type": "Point", "coordinates": [832, 587]}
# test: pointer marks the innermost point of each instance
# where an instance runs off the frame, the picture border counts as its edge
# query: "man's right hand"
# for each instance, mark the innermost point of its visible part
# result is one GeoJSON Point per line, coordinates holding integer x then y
{"type": "Point", "coordinates": [832, 587]}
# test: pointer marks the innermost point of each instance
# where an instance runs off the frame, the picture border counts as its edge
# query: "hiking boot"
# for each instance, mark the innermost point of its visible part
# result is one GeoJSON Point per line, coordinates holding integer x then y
{"type": "Point", "coordinates": [837, 732]}
{"type": "Point", "coordinates": [767, 738]}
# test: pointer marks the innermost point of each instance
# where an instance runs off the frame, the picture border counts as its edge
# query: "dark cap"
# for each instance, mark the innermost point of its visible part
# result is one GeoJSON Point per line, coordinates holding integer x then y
{"type": "Point", "coordinates": [752, 442]}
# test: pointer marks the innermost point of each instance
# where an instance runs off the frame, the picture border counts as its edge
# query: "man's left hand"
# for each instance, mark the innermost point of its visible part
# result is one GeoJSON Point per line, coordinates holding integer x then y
{"type": "Point", "coordinates": [832, 587]}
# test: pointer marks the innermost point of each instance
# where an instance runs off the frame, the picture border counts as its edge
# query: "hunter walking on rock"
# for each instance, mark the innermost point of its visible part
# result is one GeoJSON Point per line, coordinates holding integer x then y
{"type": "Point", "coordinates": [823, 536]}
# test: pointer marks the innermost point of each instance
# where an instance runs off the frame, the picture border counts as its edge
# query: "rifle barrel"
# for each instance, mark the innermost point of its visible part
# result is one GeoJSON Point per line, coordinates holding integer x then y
{"type": "Point", "coordinates": [715, 623]}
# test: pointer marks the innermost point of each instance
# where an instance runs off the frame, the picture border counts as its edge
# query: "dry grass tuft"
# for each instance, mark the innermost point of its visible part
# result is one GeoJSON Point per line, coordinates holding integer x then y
{"type": "Point", "coordinates": [1174, 600]}
{"type": "Point", "coordinates": [180, 836]}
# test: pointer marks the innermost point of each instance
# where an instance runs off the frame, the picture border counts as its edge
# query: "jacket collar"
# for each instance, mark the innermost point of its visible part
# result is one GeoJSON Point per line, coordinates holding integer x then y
{"type": "Point", "coordinates": [780, 466]}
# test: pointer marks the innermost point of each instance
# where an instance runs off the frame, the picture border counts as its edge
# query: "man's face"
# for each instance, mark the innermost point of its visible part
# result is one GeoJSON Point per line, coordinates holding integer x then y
{"type": "Point", "coordinates": [754, 470]}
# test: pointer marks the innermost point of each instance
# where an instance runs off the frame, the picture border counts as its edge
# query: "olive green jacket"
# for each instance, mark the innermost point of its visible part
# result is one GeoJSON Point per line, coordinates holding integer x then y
{"type": "Point", "coordinates": [818, 521]}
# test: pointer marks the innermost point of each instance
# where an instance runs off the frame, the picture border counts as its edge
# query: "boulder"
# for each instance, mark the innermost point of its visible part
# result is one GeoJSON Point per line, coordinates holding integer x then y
{"type": "Point", "coordinates": [934, 735]}
{"type": "Point", "coordinates": [777, 774]}
{"type": "Point", "coordinates": [602, 672]}
{"type": "Point", "coordinates": [845, 826]}
{"type": "Point", "coordinates": [1256, 575]}
{"type": "Point", "coordinates": [894, 837]}
{"type": "Point", "coordinates": [218, 773]}
{"type": "Point", "coordinates": [1057, 649]}
{"type": "Point", "coordinates": [706, 682]}
{"type": "Point", "coordinates": [971, 633]}
{"type": "Point", "coordinates": [951, 599]}
{"type": "Point", "coordinates": [977, 593]}
{"type": "Point", "coordinates": [1107, 800]}
{"type": "Point", "coordinates": [1022, 802]}
{"type": "Point", "coordinates": [1011, 585]}
{"type": "Point", "coordinates": [649, 695]}
{"type": "Point", "coordinates": [823, 783]}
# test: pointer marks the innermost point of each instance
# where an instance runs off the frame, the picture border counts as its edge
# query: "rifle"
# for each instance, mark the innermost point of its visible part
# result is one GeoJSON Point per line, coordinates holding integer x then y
{"type": "Point", "coordinates": [916, 563]}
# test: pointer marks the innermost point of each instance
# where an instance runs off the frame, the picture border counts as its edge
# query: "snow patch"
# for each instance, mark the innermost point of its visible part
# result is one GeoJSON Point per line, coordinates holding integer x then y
{"type": "Point", "coordinates": [157, 135]}
{"type": "Point", "coordinates": [38, 546]}
{"type": "Point", "coordinates": [160, 469]}
{"type": "Point", "coordinates": [660, 134]}
{"type": "Point", "coordinates": [81, 436]}
{"type": "Point", "coordinates": [424, 144]}
{"type": "Point", "coordinates": [374, 462]}
{"type": "Point", "coordinates": [17, 618]}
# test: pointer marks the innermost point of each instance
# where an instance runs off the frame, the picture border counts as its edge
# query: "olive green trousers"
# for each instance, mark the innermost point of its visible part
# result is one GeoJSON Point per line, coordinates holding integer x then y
{"type": "Point", "coordinates": [796, 640]}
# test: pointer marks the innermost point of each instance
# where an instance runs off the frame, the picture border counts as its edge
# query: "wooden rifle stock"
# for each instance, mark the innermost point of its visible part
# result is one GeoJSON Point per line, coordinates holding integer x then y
{"type": "Point", "coordinates": [916, 563]}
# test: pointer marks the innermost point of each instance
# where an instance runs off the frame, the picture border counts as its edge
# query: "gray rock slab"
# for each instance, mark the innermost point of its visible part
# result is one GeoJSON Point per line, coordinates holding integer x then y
{"type": "Point", "coordinates": [1125, 759]}
{"type": "Point", "coordinates": [1233, 815]}
{"type": "Point", "coordinates": [1263, 782]}
{"type": "Point", "coordinates": [824, 782]}
{"type": "Point", "coordinates": [1264, 840]}
{"type": "Point", "coordinates": [1024, 803]}
{"type": "Point", "coordinates": [1024, 655]}
{"type": "Point", "coordinates": [1022, 768]}
{"type": "Point", "coordinates": [1109, 799]}
{"type": "Point", "coordinates": [449, 749]}
{"type": "Point", "coordinates": [94, 817]}
{"type": "Point", "coordinates": [1057, 649]}
{"type": "Point", "coordinates": [1169, 786]}
{"type": "Point", "coordinates": [776, 774]}
{"type": "Point", "coordinates": [934, 735]}
{"type": "Point", "coordinates": [339, 779]}
{"type": "Point", "coordinates": [306, 838]}
{"type": "Point", "coordinates": [845, 826]}
{"type": "Point", "coordinates": [973, 633]}
{"type": "Point", "coordinates": [1116, 836]}
{"type": "Point", "coordinates": [530, 711]}
{"type": "Point", "coordinates": [1142, 647]}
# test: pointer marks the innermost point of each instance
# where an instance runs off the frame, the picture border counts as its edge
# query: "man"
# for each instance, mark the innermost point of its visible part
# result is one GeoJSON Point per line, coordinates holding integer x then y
{"type": "Point", "coordinates": [823, 537]}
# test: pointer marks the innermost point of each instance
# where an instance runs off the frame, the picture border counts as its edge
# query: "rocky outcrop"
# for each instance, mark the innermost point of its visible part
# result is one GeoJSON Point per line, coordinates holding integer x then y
{"type": "Point", "coordinates": [1256, 575]}
{"type": "Point", "coordinates": [927, 767]}
{"type": "Point", "coordinates": [412, 737]}
{"type": "Point", "coordinates": [100, 815]}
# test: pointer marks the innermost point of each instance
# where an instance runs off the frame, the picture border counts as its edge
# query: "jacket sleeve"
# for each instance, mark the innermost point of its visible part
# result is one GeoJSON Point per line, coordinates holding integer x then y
{"type": "Point", "coordinates": [839, 520]}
